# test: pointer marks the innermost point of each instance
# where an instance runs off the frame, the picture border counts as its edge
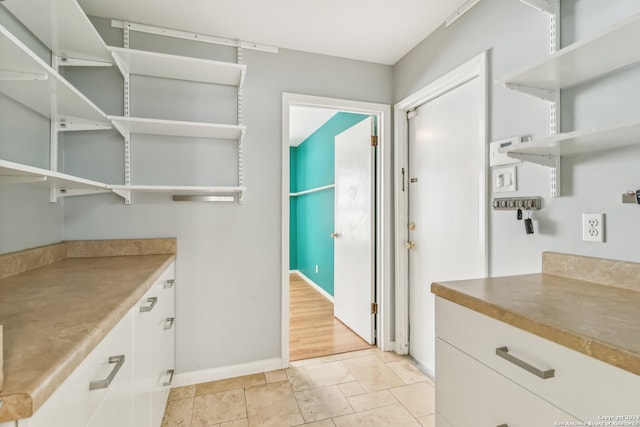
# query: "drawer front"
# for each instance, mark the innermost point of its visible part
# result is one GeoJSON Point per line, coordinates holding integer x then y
{"type": "Point", "coordinates": [73, 404]}
{"type": "Point", "coordinates": [469, 393]}
{"type": "Point", "coordinates": [583, 386]}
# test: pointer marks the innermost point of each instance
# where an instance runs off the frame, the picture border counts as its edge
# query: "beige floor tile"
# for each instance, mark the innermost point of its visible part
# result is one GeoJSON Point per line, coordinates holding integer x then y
{"type": "Point", "coordinates": [323, 423]}
{"type": "Point", "coordinates": [372, 373]}
{"type": "Point", "coordinates": [322, 403]}
{"type": "Point", "coordinates": [373, 400]}
{"type": "Point", "coordinates": [390, 356]}
{"type": "Point", "coordinates": [351, 389]}
{"type": "Point", "coordinates": [275, 376]}
{"type": "Point", "coordinates": [272, 405]}
{"type": "Point", "coordinates": [329, 374]}
{"type": "Point", "coordinates": [418, 398]}
{"type": "Point", "coordinates": [407, 371]}
{"type": "Point", "coordinates": [182, 392]}
{"type": "Point", "coordinates": [299, 379]}
{"type": "Point", "coordinates": [229, 384]}
{"type": "Point", "coordinates": [351, 355]}
{"type": "Point", "coordinates": [218, 408]}
{"type": "Point", "coordinates": [237, 423]}
{"type": "Point", "coordinates": [178, 413]}
{"type": "Point", "coordinates": [394, 415]}
{"type": "Point", "coordinates": [428, 421]}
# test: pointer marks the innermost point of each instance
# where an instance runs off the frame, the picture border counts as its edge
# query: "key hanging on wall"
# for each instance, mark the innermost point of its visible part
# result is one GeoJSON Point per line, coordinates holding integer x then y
{"type": "Point", "coordinates": [528, 224]}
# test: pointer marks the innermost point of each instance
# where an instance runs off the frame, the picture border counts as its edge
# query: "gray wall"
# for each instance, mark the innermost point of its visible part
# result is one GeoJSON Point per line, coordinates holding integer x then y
{"type": "Point", "coordinates": [517, 35]}
{"type": "Point", "coordinates": [27, 219]}
{"type": "Point", "coordinates": [229, 256]}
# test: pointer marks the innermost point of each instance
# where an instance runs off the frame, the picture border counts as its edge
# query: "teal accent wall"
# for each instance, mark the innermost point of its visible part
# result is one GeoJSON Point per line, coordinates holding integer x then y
{"type": "Point", "coordinates": [311, 218]}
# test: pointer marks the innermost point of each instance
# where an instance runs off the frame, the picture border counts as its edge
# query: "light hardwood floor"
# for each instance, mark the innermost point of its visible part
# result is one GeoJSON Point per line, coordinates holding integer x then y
{"type": "Point", "coordinates": [313, 330]}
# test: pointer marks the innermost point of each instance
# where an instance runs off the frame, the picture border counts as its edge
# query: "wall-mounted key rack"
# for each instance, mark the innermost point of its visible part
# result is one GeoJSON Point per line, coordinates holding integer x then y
{"type": "Point", "coordinates": [515, 203]}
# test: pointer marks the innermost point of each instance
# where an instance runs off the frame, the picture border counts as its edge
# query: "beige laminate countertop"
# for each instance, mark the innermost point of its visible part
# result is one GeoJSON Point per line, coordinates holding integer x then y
{"type": "Point", "coordinates": [54, 315]}
{"type": "Point", "coordinates": [598, 319]}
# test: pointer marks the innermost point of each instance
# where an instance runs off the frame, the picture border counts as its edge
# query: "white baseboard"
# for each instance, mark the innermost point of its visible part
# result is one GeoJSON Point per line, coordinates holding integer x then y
{"type": "Point", "coordinates": [224, 372]}
{"type": "Point", "coordinates": [313, 284]}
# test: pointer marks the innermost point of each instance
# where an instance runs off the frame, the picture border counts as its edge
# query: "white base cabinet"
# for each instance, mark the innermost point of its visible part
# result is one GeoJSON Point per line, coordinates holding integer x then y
{"type": "Point", "coordinates": [137, 355]}
{"type": "Point", "coordinates": [490, 373]}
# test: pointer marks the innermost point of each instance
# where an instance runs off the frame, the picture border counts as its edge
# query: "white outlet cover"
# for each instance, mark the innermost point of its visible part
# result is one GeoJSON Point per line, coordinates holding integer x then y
{"type": "Point", "coordinates": [593, 227]}
{"type": "Point", "coordinates": [505, 180]}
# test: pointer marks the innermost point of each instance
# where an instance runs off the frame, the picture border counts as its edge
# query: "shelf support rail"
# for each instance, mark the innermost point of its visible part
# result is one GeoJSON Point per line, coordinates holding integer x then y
{"type": "Point", "coordinates": [241, 140]}
{"type": "Point", "coordinates": [554, 119]}
{"type": "Point", "coordinates": [53, 132]}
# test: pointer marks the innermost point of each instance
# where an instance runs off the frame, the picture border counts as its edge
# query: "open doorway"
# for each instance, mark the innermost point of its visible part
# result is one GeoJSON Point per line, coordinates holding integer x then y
{"type": "Point", "coordinates": [345, 116]}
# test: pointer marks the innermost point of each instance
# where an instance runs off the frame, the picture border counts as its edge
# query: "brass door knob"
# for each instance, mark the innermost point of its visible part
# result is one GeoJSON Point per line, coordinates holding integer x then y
{"type": "Point", "coordinates": [335, 235]}
{"type": "Point", "coordinates": [410, 245]}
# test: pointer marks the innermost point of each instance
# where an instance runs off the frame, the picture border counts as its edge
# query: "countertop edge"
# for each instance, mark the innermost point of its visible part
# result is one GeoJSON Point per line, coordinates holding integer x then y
{"type": "Point", "coordinates": [589, 346]}
{"type": "Point", "coordinates": [30, 401]}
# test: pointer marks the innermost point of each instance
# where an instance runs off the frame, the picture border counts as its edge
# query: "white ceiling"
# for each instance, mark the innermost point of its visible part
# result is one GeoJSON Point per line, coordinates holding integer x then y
{"type": "Point", "coordinates": [380, 31]}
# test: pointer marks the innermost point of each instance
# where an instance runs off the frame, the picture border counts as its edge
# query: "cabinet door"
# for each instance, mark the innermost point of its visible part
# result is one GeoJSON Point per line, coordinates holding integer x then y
{"type": "Point", "coordinates": [73, 404]}
{"type": "Point", "coordinates": [469, 393]}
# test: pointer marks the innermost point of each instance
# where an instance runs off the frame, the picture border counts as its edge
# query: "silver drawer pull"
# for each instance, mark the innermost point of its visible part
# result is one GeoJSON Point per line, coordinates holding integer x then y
{"type": "Point", "coordinates": [170, 373]}
{"type": "Point", "coordinates": [168, 283]}
{"type": "Point", "coordinates": [504, 353]}
{"type": "Point", "coordinates": [168, 322]}
{"type": "Point", "coordinates": [502, 425]}
{"type": "Point", "coordinates": [119, 361]}
{"type": "Point", "coordinates": [145, 308]}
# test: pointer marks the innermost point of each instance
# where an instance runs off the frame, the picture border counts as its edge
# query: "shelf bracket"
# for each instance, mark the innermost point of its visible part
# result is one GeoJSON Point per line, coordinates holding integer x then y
{"type": "Point", "coordinates": [125, 194]}
{"type": "Point", "coordinates": [66, 126]}
{"type": "Point", "coordinates": [539, 159]}
{"type": "Point", "coordinates": [546, 6]}
{"type": "Point", "coordinates": [18, 76]}
{"type": "Point", "coordinates": [544, 94]}
{"type": "Point", "coordinates": [17, 179]}
{"type": "Point", "coordinates": [69, 192]}
{"type": "Point", "coordinates": [76, 62]}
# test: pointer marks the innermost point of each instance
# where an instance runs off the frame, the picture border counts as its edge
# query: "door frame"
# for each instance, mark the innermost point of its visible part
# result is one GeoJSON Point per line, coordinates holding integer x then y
{"type": "Point", "coordinates": [474, 68]}
{"type": "Point", "coordinates": [383, 208]}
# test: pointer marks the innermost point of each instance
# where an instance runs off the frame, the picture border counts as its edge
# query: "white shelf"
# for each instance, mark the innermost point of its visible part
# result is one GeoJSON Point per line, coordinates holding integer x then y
{"type": "Point", "coordinates": [583, 60]}
{"type": "Point", "coordinates": [178, 67]}
{"type": "Point", "coordinates": [312, 190]}
{"type": "Point", "coordinates": [30, 81]}
{"type": "Point", "coordinates": [135, 125]}
{"type": "Point", "coordinates": [582, 141]}
{"type": "Point", "coordinates": [126, 191]}
{"type": "Point", "coordinates": [66, 185]}
{"type": "Point", "coordinates": [63, 27]}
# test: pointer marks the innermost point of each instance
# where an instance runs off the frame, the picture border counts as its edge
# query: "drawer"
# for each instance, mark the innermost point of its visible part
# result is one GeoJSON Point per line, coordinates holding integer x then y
{"type": "Point", "coordinates": [582, 386]}
{"type": "Point", "coordinates": [73, 403]}
{"type": "Point", "coordinates": [469, 393]}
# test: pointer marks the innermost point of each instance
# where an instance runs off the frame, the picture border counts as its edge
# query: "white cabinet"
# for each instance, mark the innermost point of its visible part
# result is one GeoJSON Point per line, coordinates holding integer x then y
{"type": "Point", "coordinates": [154, 350]}
{"type": "Point", "coordinates": [81, 396]}
{"type": "Point", "coordinates": [125, 380]}
{"type": "Point", "coordinates": [477, 377]}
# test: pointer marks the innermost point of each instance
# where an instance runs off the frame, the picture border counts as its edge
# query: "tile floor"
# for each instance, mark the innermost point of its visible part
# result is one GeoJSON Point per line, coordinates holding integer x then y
{"type": "Point", "coordinates": [362, 388]}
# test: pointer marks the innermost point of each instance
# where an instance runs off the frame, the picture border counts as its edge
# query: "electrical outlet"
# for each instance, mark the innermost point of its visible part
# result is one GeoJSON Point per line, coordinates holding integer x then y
{"type": "Point", "coordinates": [593, 227]}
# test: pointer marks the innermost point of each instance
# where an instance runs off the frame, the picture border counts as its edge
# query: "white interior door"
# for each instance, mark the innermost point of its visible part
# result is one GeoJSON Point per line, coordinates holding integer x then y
{"type": "Point", "coordinates": [446, 166]}
{"type": "Point", "coordinates": [354, 230]}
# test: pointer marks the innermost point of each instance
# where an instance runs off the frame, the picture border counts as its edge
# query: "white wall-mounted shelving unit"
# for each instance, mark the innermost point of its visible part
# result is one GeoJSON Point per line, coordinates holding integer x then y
{"type": "Point", "coordinates": [571, 66]}
{"type": "Point", "coordinates": [30, 81]}
{"type": "Point", "coordinates": [153, 64]}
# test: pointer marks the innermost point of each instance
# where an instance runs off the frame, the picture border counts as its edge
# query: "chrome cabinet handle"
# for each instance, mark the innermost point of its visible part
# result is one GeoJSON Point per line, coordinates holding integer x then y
{"type": "Point", "coordinates": [502, 425]}
{"type": "Point", "coordinates": [168, 383]}
{"type": "Point", "coordinates": [146, 308]}
{"type": "Point", "coordinates": [504, 353]}
{"type": "Point", "coordinates": [168, 283]}
{"type": "Point", "coordinates": [168, 322]}
{"type": "Point", "coordinates": [119, 361]}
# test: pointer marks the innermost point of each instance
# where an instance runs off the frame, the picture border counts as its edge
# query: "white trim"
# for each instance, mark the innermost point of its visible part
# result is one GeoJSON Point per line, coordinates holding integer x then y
{"type": "Point", "coordinates": [224, 372]}
{"type": "Point", "coordinates": [317, 287]}
{"type": "Point", "coordinates": [384, 263]}
{"type": "Point", "coordinates": [313, 190]}
{"type": "Point", "coordinates": [474, 68]}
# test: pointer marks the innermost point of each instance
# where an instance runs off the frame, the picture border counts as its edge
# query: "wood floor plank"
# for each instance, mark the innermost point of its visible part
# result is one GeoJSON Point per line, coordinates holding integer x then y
{"type": "Point", "coordinates": [313, 329]}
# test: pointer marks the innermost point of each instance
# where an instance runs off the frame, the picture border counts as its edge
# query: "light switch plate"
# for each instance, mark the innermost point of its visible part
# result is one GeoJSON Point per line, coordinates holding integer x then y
{"type": "Point", "coordinates": [505, 180]}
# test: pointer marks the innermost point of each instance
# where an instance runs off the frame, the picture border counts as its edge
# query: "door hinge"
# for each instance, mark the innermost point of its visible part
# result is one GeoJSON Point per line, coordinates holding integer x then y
{"type": "Point", "coordinates": [374, 308]}
{"type": "Point", "coordinates": [374, 140]}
